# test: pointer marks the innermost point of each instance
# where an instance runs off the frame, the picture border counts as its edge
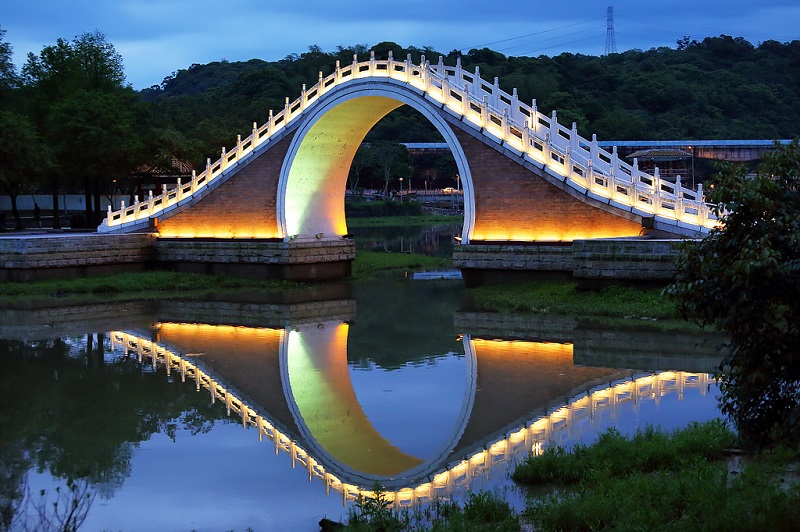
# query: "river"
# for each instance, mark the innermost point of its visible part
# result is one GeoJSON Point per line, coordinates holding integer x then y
{"type": "Point", "coordinates": [268, 413]}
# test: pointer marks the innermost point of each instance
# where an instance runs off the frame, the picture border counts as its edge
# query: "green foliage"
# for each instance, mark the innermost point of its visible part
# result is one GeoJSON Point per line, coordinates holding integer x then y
{"type": "Point", "coordinates": [564, 297]}
{"type": "Point", "coordinates": [614, 455]}
{"type": "Point", "coordinates": [677, 481]}
{"type": "Point", "coordinates": [481, 512]}
{"type": "Point", "coordinates": [141, 285]}
{"type": "Point", "coordinates": [368, 263]}
{"type": "Point", "coordinates": [744, 279]}
{"type": "Point", "coordinates": [375, 209]}
{"type": "Point", "coordinates": [699, 496]}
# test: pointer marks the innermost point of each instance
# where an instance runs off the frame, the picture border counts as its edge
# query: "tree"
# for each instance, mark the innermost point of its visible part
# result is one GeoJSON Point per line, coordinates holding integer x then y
{"type": "Point", "coordinates": [84, 110]}
{"type": "Point", "coordinates": [8, 74]}
{"type": "Point", "coordinates": [24, 158]}
{"type": "Point", "coordinates": [392, 159]}
{"type": "Point", "coordinates": [744, 279]}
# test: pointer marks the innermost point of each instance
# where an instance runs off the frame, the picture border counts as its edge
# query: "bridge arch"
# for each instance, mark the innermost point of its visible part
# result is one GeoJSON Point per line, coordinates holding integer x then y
{"type": "Point", "coordinates": [313, 177]}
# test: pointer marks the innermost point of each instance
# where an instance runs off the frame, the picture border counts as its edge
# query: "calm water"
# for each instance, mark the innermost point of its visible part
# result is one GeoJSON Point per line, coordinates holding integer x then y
{"type": "Point", "coordinates": [245, 413]}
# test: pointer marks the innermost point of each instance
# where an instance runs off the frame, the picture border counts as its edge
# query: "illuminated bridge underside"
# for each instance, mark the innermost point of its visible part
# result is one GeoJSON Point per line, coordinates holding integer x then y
{"type": "Point", "coordinates": [558, 424]}
{"type": "Point", "coordinates": [525, 177]}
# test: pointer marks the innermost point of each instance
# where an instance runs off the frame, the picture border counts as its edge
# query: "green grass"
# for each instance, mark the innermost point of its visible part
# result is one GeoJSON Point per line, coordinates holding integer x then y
{"type": "Point", "coordinates": [404, 221]}
{"type": "Point", "coordinates": [677, 481]}
{"type": "Point", "coordinates": [564, 297]}
{"type": "Point", "coordinates": [372, 263]}
{"type": "Point", "coordinates": [613, 454]}
{"type": "Point", "coordinates": [140, 285]}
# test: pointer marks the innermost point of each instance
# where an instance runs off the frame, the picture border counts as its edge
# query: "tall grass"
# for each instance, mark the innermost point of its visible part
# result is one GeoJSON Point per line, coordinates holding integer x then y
{"type": "Point", "coordinates": [566, 297]}
{"type": "Point", "coordinates": [677, 481]}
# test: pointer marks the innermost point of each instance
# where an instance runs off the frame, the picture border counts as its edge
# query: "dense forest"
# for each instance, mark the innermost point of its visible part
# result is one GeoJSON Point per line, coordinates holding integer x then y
{"type": "Point", "coordinates": [68, 121]}
{"type": "Point", "coordinates": [717, 88]}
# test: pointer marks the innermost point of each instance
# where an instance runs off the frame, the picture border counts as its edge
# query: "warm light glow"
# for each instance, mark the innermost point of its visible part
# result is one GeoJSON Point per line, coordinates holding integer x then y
{"type": "Point", "coordinates": [323, 393]}
{"type": "Point", "coordinates": [531, 438]}
{"type": "Point", "coordinates": [316, 177]}
{"type": "Point", "coordinates": [209, 232]}
{"type": "Point", "coordinates": [520, 348]}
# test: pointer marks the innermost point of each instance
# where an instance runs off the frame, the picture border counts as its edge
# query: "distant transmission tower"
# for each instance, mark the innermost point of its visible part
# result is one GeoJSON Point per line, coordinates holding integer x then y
{"type": "Point", "coordinates": [611, 39]}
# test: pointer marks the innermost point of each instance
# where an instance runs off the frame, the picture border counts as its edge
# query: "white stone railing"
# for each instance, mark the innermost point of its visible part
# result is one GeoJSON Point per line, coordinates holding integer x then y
{"type": "Point", "coordinates": [500, 116]}
{"type": "Point", "coordinates": [562, 425]}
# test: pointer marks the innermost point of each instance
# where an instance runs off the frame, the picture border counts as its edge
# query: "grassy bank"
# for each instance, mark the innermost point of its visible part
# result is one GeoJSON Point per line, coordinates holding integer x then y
{"type": "Point", "coordinates": [678, 481]}
{"type": "Point", "coordinates": [405, 221]}
{"type": "Point", "coordinates": [137, 285]}
{"type": "Point", "coordinates": [690, 479]}
{"type": "Point", "coordinates": [374, 263]}
{"type": "Point", "coordinates": [567, 298]}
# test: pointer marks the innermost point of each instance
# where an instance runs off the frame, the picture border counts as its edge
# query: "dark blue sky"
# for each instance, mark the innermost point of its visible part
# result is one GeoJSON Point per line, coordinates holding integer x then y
{"type": "Point", "coordinates": [158, 37]}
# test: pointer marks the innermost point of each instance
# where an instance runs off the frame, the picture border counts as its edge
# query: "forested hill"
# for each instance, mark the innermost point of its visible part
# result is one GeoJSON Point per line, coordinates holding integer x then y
{"type": "Point", "coordinates": [717, 88]}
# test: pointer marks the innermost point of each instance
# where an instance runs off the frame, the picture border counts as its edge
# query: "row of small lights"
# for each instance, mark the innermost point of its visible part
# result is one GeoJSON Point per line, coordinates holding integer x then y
{"type": "Point", "coordinates": [534, 436]}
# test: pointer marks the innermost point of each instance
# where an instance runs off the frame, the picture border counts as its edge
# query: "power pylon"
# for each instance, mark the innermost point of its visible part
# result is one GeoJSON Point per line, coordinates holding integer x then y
{"type": "Point", "coordinates": [611, 39]}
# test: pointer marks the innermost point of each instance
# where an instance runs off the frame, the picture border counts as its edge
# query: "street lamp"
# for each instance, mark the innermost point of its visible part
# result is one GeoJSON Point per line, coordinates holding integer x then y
{"type": "Point", "coordinates": [401, 190]}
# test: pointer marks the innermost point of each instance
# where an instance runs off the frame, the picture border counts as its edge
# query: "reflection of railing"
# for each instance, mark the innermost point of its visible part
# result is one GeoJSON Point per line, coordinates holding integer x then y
{"type": "Point", "coordinates": [499, 116]}
{"type": "Point", "coordinates": [561, 424]}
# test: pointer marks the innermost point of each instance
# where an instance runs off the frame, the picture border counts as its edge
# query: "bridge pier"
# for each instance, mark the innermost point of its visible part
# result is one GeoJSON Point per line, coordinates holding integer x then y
{"type": "Point", "coordinates": [294, 260]}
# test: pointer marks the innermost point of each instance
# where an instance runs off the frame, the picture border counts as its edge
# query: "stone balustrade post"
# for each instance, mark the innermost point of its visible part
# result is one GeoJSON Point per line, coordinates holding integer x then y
{"type": "Point", "coordinates": [223, 160]}
{"type": "Point", "coordinates": [526, 136]}
{"type": "Point", "coordinates": [465, 100]}
{"type": "Point", "coordinates": [108, 215]}
{"type": "Point", "coordinates": [496, 92]}
{"type": "Point", "coordinates": [149, 202]}
{"type": "Point", "coordinates": [337, 73]}
{"type": "Point", "coordinates": [270, 124]}
{"type": "Point", "coordinates": [286, 111]}
{"type": "Point", "coordinates": [459, 70]}
{"type": "Point", "coordinates": [534, 117]}
{"type": "Point", "coordinates": [476, 83]}
{"type": "Point", "coordinates": [553, 127]}
{"type": "Point", "coordinates": [514, 103]}
{"type": "Point", "coordinates": [614, 165]}
{"type": "Point", "coordinates": [238, 146]}
{"type": "Point", "coordinates": [179, 192]}
{"type": "Point", "coordinates": [303, 97]}
{"type": "Point", "coordinates": [485, 111]}
{"type": "Point", "coordinates": [194, 181]}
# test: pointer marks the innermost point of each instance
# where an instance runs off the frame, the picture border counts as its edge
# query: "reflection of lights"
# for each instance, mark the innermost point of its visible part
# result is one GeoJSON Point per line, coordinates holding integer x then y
{"type": "Point", "coordinates": [518, 443]}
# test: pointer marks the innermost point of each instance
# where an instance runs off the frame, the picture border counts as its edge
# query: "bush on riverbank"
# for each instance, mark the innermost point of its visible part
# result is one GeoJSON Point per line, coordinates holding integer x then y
{"type": "Point", "coordinates": [680, 481]}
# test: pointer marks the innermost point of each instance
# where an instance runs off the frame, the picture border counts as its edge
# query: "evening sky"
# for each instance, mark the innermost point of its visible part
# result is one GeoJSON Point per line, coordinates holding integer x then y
{"type": "Point", "coordinates": [159, 37]}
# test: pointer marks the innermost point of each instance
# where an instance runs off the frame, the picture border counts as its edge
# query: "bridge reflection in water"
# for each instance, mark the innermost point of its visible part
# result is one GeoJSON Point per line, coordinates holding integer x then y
{"type": "Point", "coordinates": [294, 387]}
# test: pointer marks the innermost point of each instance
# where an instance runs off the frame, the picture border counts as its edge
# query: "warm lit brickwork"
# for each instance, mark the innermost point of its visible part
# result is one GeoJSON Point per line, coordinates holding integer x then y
{"type": "Point", "coordinates": [244, 206]}
{"type": "Point", "coordinates": [512, 203]}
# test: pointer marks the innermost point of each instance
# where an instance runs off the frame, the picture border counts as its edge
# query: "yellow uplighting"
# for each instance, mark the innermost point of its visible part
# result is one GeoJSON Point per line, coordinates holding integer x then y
{"type": "Point", "coordinates": [322, 390]}
{"type": "Point", "coordinates": [531, 438]}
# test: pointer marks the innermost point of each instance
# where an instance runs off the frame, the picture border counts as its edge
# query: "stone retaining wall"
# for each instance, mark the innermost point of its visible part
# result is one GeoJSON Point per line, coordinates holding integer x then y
{"type": "Point", "coordinates": [639, 259]}
{"type": "Point", "coordinates": [293, 260]}
{"type": "Point", "coordinates": [47, 256]}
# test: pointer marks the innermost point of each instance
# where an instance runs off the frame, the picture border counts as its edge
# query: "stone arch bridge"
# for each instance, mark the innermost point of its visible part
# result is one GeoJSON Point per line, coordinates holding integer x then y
{"type": "Point", "coordinates": [527, 179]}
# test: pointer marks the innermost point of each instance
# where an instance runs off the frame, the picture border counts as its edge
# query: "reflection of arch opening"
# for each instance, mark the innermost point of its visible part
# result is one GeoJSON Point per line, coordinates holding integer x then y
{"type": "Point", "coordinates": [320, 395]}
{"type": "Point", "coordinates": [313, 177]}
